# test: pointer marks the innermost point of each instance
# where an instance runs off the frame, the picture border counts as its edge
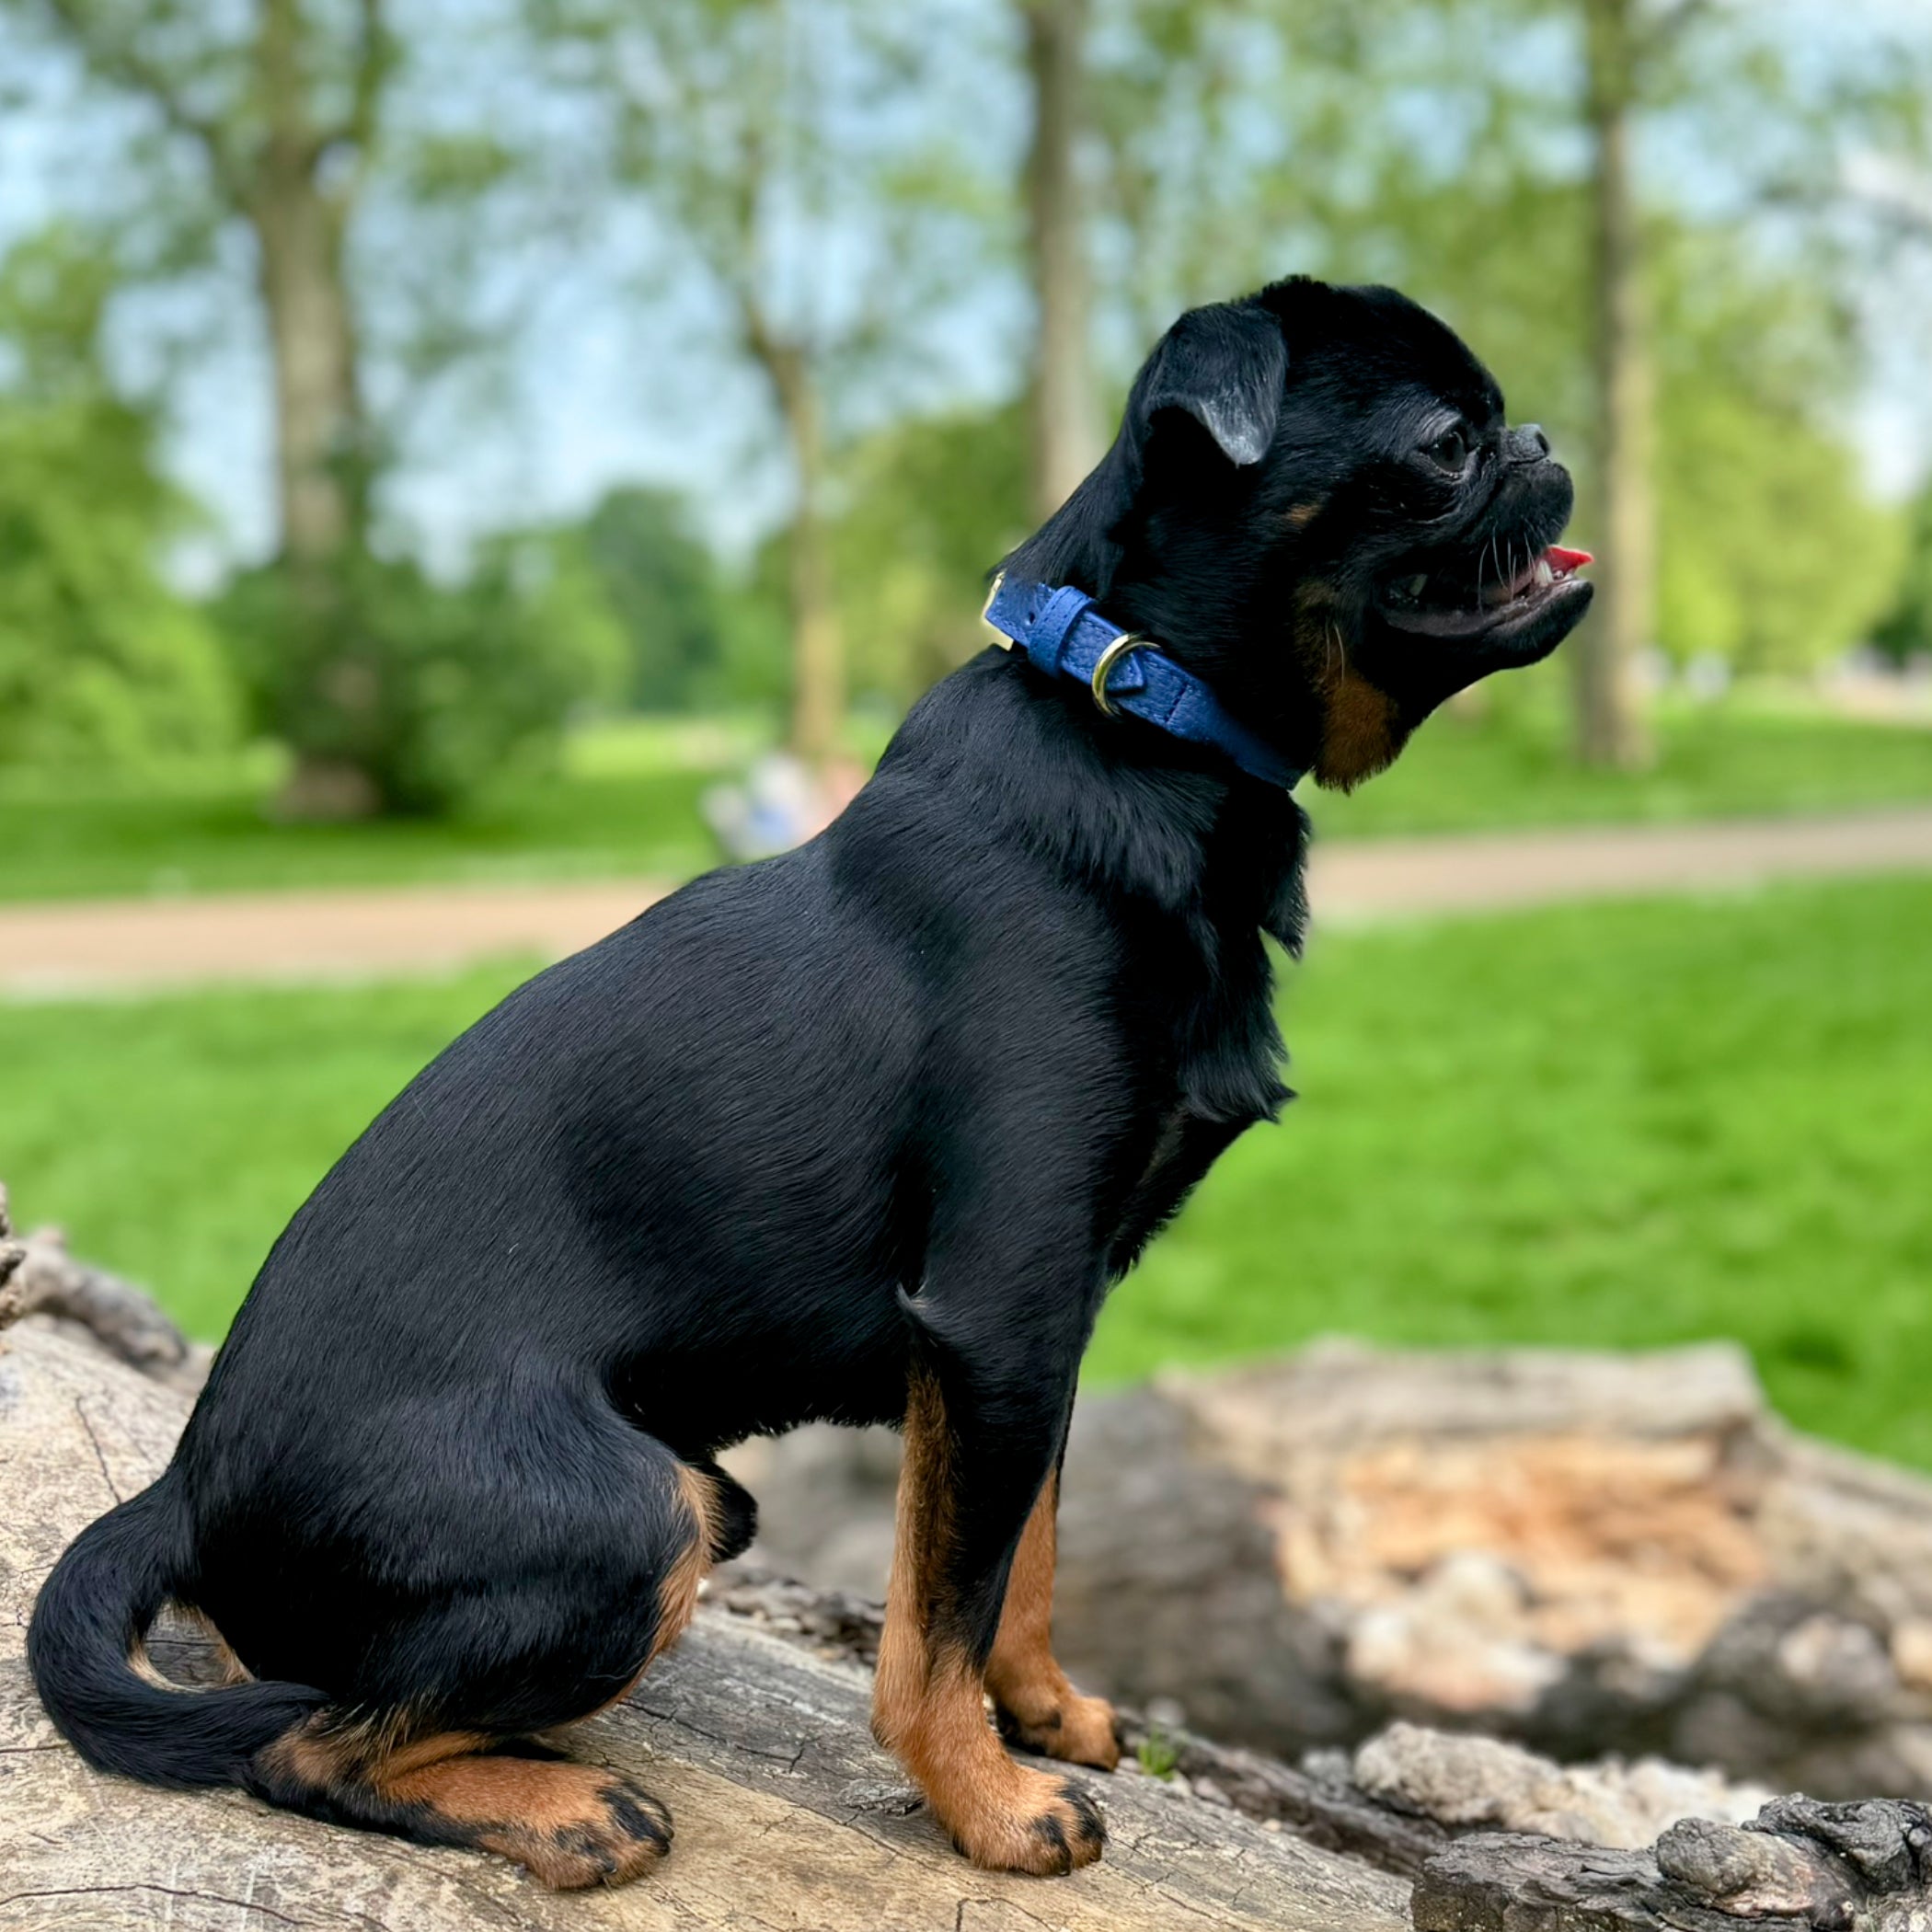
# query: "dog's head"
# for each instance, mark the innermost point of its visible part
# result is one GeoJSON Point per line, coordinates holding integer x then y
{"type": "Point", "coordinates": [1315, 503]}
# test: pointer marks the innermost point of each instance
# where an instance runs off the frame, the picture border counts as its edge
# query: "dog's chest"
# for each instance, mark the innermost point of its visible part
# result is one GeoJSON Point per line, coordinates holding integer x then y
{"type": "Point", "coordinates": [1225, 1049]}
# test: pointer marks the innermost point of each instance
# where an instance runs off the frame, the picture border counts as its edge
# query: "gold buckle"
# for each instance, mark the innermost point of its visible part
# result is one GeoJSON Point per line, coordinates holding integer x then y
{"type": "Point", "coordinates": [1111, 656]}
{"type": "Point", "coordinates": [999, 637]}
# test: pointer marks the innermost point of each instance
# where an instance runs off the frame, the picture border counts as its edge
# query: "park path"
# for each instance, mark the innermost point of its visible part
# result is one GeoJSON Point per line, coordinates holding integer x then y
{"type": "Point", "coordinates": [55, 946]}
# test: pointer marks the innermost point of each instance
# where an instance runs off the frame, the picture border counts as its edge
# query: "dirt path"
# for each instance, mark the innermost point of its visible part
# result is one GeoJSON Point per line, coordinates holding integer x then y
{"type": "Point", "coordinates": [125, 943]}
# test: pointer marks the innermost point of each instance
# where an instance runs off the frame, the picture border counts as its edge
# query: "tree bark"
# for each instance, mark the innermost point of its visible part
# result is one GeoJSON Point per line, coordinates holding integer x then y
{"type": "Point", "coordinates": [294, 179]}
{"type": "Point", "coordinates": [1799, 1867]}
{"type": "Point", "coordinates": [818, 695]}
{"type": "Point", "coordinates": [1064, 429]}
{"type": "Point", "coordinates": [320, 454]}
{"type": "Point", "coordinates": [1610, 724]}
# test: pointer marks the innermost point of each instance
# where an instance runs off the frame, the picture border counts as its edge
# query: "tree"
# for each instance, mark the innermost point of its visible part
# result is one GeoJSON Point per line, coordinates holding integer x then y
{"type": "Point", "coordinates": [929, 503]}
{"type": "Point", "coordinates": [283, 118]}
{"type": "Point", "coordinates": [102, 664]}
{"type": "Point", "coordinates": [1905, 630]}
{"type": "Point", "coordinates": [1063, 430]}
{"type": "Point", "coordinates": [662, 587]}
{"type": "Point", "coordinates": [1619, 44]}
{"type": "Point", "coordinates": [769, 137]}
{"type": "Point", "coordinates": [455, 682]}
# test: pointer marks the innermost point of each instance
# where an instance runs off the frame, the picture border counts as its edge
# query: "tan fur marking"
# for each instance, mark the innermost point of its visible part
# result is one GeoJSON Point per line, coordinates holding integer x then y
{"type": "Point", "coordinates": [326, 1751]}
{"type": "Point", "coordinates": [1359, 732]}
{"type": "Point", "coordinates": [531, 1794]}
{"type": "Point", "coordinates": [555, 1820]}
{"type": "Point", "coordinates": [929, 1705]}
{"type": "Point", "coordinates": [571, 1826]}
{"type": "Point", "coordinates": [1040, 1708]}
{"type": "Point", "coordinates": [677, 1594]}
{"type": "Point", "coordinates": [1299, 516]}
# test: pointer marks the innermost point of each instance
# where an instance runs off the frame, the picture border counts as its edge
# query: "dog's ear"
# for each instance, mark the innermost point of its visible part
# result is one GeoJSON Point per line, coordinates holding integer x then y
{"type": "Point", "coordinates": [1224, 365]}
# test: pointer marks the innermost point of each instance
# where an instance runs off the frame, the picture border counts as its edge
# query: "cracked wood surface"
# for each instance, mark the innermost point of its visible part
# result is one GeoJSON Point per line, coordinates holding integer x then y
{"type": "Point", "coordinates": [788, 1818]}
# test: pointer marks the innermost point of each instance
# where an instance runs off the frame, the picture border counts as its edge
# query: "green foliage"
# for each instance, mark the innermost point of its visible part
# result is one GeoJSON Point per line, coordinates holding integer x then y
{"type": "Point", "coordinates": [1906, 631]}
{"type": "Point", "coordinates": [694, 636]}
{"type": "Point", "coordinates": [1772, 555]}
{"type": "Point", "coordinates": [431, 690]}
{"type": "Point", "coordinates": [1157, 1753]}
{"type": "Point", "coordinates": [102, 663]}
{"type": "Point", "coordinates": [930, 506]}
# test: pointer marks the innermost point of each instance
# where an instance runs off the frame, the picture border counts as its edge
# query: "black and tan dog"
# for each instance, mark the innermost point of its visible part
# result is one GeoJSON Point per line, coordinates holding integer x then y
{"type": "Point", "coordinates": [862, 1133]}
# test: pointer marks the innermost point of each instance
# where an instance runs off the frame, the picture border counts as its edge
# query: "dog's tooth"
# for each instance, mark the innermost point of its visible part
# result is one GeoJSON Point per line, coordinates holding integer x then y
{"type": "Point", "coordinates": [1543, 573]}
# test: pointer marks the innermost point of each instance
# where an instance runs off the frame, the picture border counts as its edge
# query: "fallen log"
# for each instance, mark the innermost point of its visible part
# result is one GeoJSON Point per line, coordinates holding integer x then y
{"type": "Point", "coordinates": [788, 1815]}
{"type": "Point", "coordinates": [1800, 1867]}
{"type": "Point", "coordinates": [755, 1731]}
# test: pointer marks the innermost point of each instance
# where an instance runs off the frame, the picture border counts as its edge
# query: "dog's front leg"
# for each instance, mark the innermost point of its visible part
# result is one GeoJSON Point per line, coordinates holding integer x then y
{"type": "Point", "coordinates": [981, 1443]}
{"type": "Point", "coordinates": [1038, 1708]}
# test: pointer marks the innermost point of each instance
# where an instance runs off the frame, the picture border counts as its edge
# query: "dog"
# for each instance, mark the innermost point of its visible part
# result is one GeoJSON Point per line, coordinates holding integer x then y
{"type": "Point", "coordinates": [859, 1134]}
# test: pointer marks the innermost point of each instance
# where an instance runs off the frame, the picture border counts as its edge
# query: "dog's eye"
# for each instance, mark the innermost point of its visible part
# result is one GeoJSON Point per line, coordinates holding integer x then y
{"type": "Point", "coordinates": [1451, 450]}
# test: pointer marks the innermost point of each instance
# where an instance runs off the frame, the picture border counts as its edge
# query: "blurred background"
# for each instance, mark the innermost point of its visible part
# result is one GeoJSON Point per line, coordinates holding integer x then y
{"type": "Point", "coordinates": [461, 460]}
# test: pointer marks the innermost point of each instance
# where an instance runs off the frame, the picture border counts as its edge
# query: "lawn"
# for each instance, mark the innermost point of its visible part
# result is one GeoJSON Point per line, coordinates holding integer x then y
{"type": "Point", "coordinates": [1605, 1125]}
{"type": "Point", "coordinates": [626, 803]}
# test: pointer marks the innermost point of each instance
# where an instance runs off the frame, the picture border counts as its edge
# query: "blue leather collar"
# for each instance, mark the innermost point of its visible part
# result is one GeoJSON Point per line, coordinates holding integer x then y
{"type": "Point", "coordinates": [1063, 636]}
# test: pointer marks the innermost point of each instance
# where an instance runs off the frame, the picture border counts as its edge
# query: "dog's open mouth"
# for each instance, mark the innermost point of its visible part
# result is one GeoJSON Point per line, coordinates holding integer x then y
{"type": "Point", "coordinates": [1455, 602]}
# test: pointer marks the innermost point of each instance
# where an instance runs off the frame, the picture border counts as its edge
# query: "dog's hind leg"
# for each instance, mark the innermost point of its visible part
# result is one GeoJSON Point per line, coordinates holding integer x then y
{"type": "Point", "coordinates": [433, 1745]}
{"type": "Point", "coordinates": [569, 1825]}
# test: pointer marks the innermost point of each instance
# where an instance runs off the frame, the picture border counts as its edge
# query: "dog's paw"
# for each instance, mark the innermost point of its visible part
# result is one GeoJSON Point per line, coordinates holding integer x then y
{"type": "Point", "coordinates": [1078, 1730]}
{"type": "Point", "coordinates": [612, 1833]}
{"type": "Point", "coordinates": [1043, 1824]}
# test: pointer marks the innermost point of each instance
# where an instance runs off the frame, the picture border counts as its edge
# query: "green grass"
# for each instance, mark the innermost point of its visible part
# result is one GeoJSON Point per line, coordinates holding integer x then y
{"type": "Point", "coordinates": [1748, 757]}
{"type": "Point", "coordinates": [1598, 1126]}
{"type": "Point", "coordinates": [626, 802]}
{"type": "Point", "coordinates": [1610, 1125]}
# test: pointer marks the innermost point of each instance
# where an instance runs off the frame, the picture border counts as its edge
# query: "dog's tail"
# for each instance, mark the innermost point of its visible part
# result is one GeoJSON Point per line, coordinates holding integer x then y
{"type": "Point", "coordinates": [87, 1626]}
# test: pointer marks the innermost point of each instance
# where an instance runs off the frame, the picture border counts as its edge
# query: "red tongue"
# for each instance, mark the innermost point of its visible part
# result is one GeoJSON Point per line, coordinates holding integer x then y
{"type": "Point", "coordinates": [1561, 559]}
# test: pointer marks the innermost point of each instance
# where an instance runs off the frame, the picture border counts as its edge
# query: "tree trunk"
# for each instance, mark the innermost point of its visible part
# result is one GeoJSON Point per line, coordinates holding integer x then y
{"type": "Point", "coordinates": [818, 698]}
{"type": "Point", "coordinates": [1611, 729]}
{"type": "Point", "coordinates": [319, 454]}
{"type": "Point", "coordinates": [1064, 431]}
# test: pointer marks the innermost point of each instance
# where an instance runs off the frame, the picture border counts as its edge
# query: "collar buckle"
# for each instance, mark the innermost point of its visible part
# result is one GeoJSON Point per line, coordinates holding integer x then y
{"type": "Point", "coordinates": [995, 635]}
{"type": "Point", "coordinates": [1103, 668]}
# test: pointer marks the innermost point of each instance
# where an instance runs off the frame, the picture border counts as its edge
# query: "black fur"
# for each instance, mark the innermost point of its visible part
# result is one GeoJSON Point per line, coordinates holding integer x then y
{"type": "Point", "coordinates": [904, 1100]}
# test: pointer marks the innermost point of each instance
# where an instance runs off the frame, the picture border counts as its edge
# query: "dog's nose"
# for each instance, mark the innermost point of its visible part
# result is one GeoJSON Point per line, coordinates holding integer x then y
{"type": "Point", "coordinates": [1528, 444]}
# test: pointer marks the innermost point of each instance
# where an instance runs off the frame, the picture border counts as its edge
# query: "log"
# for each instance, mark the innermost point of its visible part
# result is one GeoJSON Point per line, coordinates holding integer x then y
{"type": "Point", "coordinates": [1589, 1553]}
{"type": "Point", "coordinates": [1801, 1866]}
{"type": "Point", "coordinates": [39, 1276]}
{"type": "Point", "coordinates": [754, 1730]}
{"type": "Point", "coordinates": [788, 1815]}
